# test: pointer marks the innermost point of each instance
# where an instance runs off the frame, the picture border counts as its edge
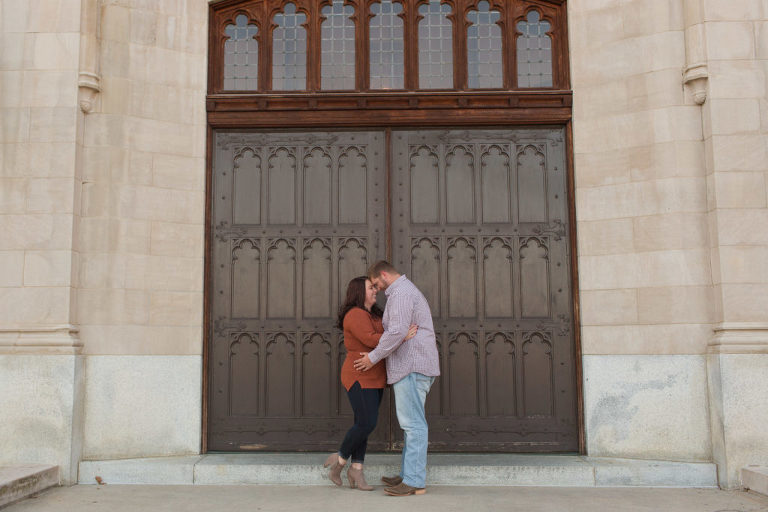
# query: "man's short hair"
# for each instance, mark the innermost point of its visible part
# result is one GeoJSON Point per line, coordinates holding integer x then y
{"type": "Point", "coordinates": [377, 268]}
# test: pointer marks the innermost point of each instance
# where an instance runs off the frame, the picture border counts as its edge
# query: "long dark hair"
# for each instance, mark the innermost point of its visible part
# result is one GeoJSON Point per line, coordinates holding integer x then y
{"type": "Point", "coordinates": [356, 299]}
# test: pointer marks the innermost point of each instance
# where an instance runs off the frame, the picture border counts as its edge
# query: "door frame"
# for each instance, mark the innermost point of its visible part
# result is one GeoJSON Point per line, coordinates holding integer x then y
{"type": "Point", "coordinates": [361, 111]}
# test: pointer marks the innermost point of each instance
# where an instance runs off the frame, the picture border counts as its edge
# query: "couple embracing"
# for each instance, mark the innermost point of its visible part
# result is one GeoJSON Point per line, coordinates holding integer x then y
{"type": "Point", "coordinates": [403, 336]}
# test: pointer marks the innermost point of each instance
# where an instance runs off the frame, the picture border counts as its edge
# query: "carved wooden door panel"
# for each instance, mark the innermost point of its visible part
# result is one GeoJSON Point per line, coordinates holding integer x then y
{"type": "Point", "coordinates": [480, 224]}
{"type": "Point", "coordinates": [295, 216]}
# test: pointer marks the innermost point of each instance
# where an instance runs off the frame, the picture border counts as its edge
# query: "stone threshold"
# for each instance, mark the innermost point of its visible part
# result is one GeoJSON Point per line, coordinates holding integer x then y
{"type": "Point", "coordinates": [755, 478]}
{"type": "Point", "coordinates": [21, 481]}
{"type": "Point", "coordinates": [443, 469]}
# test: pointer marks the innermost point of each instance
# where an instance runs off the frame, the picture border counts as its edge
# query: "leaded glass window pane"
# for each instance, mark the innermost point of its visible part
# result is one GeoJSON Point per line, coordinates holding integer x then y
{"type": "Point", "coordinates": [435, 46]}
{"type": "Point", "coordinates": [534, 52]}
{"type": "Point", "coordinates": [241, 56]}
{"type": "Point", "coordinates": [484, 58]}
{"type": "Point", "coordinates": [338, 47]}
{"type": "Point", "coordinates": [386, 46]}
{"type": "Point", "coordinates": [289, 51]}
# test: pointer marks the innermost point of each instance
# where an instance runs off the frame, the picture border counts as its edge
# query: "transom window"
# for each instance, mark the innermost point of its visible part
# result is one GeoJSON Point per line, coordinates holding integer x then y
{"type": "Point", "coordinates": [284, 46]}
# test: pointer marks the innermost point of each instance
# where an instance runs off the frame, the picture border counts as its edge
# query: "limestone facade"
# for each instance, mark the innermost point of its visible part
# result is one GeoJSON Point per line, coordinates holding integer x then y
{"type": "Point", "coordinates": [102, 194]}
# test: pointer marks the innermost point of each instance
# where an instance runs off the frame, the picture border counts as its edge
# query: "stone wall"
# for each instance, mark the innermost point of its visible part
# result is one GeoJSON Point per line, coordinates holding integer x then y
{"type": "Point", "coordinates": [734, 37]}
{"type": "Point", "coordinates": [40, 369]}
{"type": "Point", "coordinates": [141, 272]}
{"type": "Point", "coordinates": [641, 209]}
{"type": "Point", "coordinates": [101, 262]}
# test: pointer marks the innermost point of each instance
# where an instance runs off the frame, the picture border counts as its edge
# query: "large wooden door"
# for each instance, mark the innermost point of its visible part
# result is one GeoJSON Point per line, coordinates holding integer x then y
{"type": "Point", "coordinates": [479, 221]}
{"type": "Point", "coordinates": [295, 217]}
{"type": "Point", "coordinates": [480, 224]}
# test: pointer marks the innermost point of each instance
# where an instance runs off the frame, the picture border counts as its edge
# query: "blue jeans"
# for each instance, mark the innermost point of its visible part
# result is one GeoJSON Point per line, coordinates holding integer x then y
{"type": "Point", "coordinates": [410, 396]}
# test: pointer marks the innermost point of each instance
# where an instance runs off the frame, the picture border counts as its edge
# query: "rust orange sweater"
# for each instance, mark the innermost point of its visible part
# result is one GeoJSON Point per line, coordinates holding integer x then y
{"type": "Point", "coordinates": [361, 334]}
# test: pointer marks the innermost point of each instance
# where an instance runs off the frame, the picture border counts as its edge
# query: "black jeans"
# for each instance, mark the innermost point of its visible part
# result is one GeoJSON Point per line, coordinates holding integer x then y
{"type": "Point", "coordinates": [365, 404]}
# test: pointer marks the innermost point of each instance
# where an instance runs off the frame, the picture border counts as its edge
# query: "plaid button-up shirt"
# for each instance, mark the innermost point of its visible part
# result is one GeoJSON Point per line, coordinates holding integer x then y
{"type": "Point", "coordinates": [406, 305]}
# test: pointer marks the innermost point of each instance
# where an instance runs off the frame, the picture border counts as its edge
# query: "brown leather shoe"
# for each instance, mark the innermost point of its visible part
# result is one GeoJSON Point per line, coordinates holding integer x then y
{"type": "Point", "coordinates": [335, 472]}
{"type": "Point", "coordinates": [392, 481]}
{"type": "Point", "coordinates": [357, 480]}
{"type": "Point", "coordinates": [403, 489]}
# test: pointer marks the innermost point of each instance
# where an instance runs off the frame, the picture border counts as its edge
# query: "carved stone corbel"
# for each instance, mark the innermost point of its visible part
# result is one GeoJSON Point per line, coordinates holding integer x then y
{"type": "Point", "coordinates": [87, 88]}
{"type": "Point", "coordinates": [88, 79]}
{"type": "Point", "coordinates": [695, 78]}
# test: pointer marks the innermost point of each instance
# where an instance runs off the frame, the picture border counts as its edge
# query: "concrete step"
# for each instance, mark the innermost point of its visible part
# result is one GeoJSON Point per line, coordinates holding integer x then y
{"type": "Point", "coordinates": [755, 478]}
{"type": "Point", "coordinates": [443, 469]}
{"type": "Point", "coordinates": [19, 482]}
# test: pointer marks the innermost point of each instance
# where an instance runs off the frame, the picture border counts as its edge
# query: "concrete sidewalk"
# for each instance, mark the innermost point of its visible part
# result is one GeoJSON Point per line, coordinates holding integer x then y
{"type": "Point", "coordinates": [283, 498]}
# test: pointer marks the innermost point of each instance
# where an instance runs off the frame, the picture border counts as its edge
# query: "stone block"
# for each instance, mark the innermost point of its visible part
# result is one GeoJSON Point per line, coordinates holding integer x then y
{"type": "Point", "coordinates": [736, 79]}
{"type": "Point", "coordinates": [730, 40]}
{"type": "Point", "coordinates": [34, 306]}
{"type": "Point", "coordinates": [143, 27]}
{"type": "Point", "coordinates": [48, 268]}
{"type": "Point", "coordinates": [114, 235]}
{"type": "Point", "coordinates": [11, 268]}
{"type": "Point", "coordinates": [41, 397]}
{"type": "Point", "coordinates": [176, 308]}
{"type": "Point", "coordinates": [654, 90]}
{"type": "Point", "coordinates": [601, 168]}
{"type": "Point", "coordinates": [650, 17]}
{"type": "Point", "coordinates": [672, 231]}
{"type": "Point", "coordinates": [56, 51]}
{"type": "Point", "coordinates": [106, 130]}
{"type": "Point", "coordinates": [102, 270]}
{"type": "Point", "coordinates": [736, 189]}
{"type": "Point", "coordinates": [153, 203]}
{"type": "Point", "coordinates": [739, 401]}
{"type": "Point", "coordinates": [745, 302]}
{"type": "Point", "coordinates": [742, 227]}
{"type": "Point", "coordinates": [734, 10]}
{"type": "Point", "coordinates": [51, 195]}
{"type": "Point", "coordinates": [649, 407]}
{"type": "Point", "coordinates": [49, 88]}
{"type": "Point", "coordinates": [36, 231]}
{"type": "Point", "coordinates": [614, 472]}
{"type": "Point", "coordinates": [167, 273]}
{"type": "Point", "coordinates": [605, 307]}
{"type": "Point", "coordinates": [675, 304]}
{"type": "Point", "coordinates": [677, 123]}
{"type": "Point", "coordinates": [153, 471]}
{"type": "Point", "coordinates": [140, 406]}
{"type": "Point", "coordinates": [105, 306]}
{"type": "Point", "coordinates": [13, 87]}
{"type": "Point", "coordinates": [755, 478]}
{"type": "Point", "coordinates": [667, 160]}
{"type": "Point", "coordinates": [42, 159]}
{"type": "Point", "coordinates": [116, 57]}
{"type": "Point", "coordinates": [56, 124]}
{"type": "Point", "coordinates": [732, 116]}
{"type": "Point", "coordinates": [142, 339]}
{"type": "Point", "coordinates": [24, 480]}
{"type": "Point", "coordinates": [115, 22]}
{"type": "Point", "coordinates": [761, 34]}
{"type": "Point", "coordinates": [173, 239]}
{"type": "Point", "coordinates": [178, 172]}
{"type": "Point", "coordinates": [642, 198]}
{"type": "Point", "coordinates": [13, 192]}
{"type": "Point", "coordinates": [661, 339]}
{"type": "Point", "coordinates": [160, 137]}
{"type": "Point", "coordinates": [14, 125]}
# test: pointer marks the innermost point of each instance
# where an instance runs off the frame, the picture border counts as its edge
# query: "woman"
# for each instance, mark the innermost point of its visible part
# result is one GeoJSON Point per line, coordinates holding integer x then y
{"type": "Point", "coordinates": [360, 319]}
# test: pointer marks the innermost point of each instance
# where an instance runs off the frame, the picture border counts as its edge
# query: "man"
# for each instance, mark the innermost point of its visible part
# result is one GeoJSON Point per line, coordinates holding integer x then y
{"type": "Point", "coordinates": [411, 369]}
